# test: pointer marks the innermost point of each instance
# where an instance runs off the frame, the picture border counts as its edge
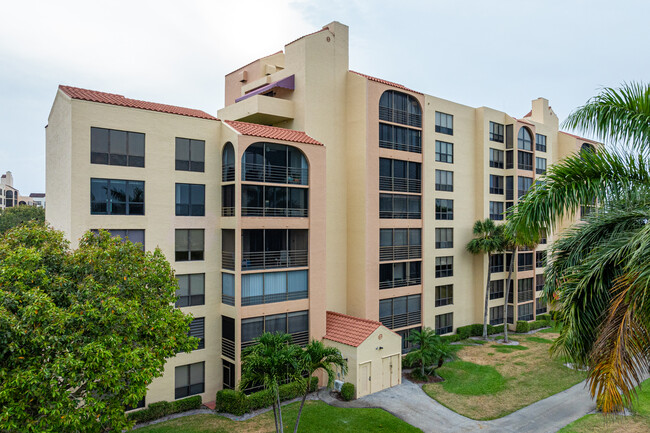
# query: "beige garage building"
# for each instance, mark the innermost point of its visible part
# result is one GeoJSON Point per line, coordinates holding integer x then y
{"type": "Point", "coordinates": [372, 350]}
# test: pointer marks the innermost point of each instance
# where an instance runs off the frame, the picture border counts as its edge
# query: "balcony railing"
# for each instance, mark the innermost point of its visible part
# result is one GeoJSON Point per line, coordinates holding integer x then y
{"type": "Point", "coordinates": [275, 297]}
{"type": "Point", "coordinates": [274, 212]}
{"type": "Point", "coordinates": [402, 320]}
{"type": "Point", "coordinates": [227, 299]}
{"type": "Point", "coordinates": [228, 348]}
{"type": "Point", "coordinates": [400, 184]}
{"type": "Point", "coordinates": [400, 116]}
{"type": "Point", "coordinates": [404, 252]}
{"type": "Point", "coordinates": [228, 260]}
{"type": "Point", "coordinates": [299, 338]}
{"type": "Point", "coordinates": [274, 174]}
{"type": "Point", "coordinates": [405, 147]}
{"type": "Point", "coordinates": [228, 173]}
{"type": "Point", "coordinates": [274, 259]}
{"type": "Point", "coordinates": [391, 214]}
{"type": "Point", "coordinates": [227, 211]}
{"type": "Point", "coordinates": [390, 284]}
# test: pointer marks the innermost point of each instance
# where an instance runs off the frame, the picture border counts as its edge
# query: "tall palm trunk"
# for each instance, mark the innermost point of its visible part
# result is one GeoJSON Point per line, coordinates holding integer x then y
{"type": "Point", "coordinates": [507, 295]}
{"type": "Point", "coordinates": [277, 398]}
{"type": "Point", "coordinates": [275, 417]}
{"type": "Point", "coordinates": [487, 296]}
{"type": "Point", "coordinates": [302, 403]}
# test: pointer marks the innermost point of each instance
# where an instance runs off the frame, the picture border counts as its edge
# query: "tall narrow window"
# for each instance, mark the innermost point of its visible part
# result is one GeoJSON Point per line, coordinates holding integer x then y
{"type": "Point", "coordinates": [523, 184]}
{"type": "Point", "coordinates": [197, 330]}
{"type": "Point", "coordinates": [496, 184]}
{"type": "Point", "coordinates": [227, 288]}
{"type": "Point", "coordinates": [496, 158]}
{"type": "Point", "coordinates": [524, 140]}
{"type": "Point", "coordinates": [540, 142]}
{"type": "Point", "coordinates": [444, 323]}
{"type": "Point", "coordinates": [496, 132]}
{"type": "Point", "coordinates": [444, 123]}
{"type": "Point", "coordinates": [228, 163]}
{"type": "Point", "coordinates": [540, 165]}
{"type": "Point", "coordinates": [496, 210]}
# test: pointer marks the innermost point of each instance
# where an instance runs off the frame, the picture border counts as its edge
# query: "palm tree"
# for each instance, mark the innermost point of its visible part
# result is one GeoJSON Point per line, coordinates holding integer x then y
{"type": "Point", "coordinates": [489, 239]}
{"type": "Point", "coordinates": [316, 356]}
{"type": "Point", "coordinates": [270, 362]}
{"type": "Point", "coordinates": [599, 271]}
{"type": "Point", "coordinates": [429, 349]}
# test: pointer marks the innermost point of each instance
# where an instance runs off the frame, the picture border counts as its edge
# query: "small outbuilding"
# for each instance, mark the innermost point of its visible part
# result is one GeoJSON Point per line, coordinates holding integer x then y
{"type": "Point", "coordinates": [373, 352]}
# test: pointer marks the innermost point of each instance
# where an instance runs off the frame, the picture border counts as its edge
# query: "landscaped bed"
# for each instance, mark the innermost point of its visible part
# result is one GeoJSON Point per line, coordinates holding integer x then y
{"type": "Point", "coordinates": [492, 380]}
{"type": "Point", "coordinates": [598, 423]}
{"type": "Point", "coordinates": [316, 417]}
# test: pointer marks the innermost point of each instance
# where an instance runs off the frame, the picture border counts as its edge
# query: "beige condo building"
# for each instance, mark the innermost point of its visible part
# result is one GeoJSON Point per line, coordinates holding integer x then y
{"type": "Point", "coordinates": [321, 202]}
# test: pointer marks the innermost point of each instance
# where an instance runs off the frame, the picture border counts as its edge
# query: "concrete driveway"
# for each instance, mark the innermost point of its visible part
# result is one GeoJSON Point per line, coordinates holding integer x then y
{"type": "Point", "coordinates": [409, 403]}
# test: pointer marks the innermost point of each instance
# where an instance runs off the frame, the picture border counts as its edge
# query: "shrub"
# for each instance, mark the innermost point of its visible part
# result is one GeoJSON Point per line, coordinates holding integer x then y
{"type": "Point", "coordinates": [544, 318]}
{"type": "Point", "coordinates": [347, 391]}
{"type": "Point", "coordinates": [495, 329]}
{"type": "Point", "coordinates": [313, 384]}
{"type": "Point", "coordinates": [522, 326]}
{"type": "Point", "coordinates": [260, 399]}
{"type": "Point", "coordinates": [186, 404]}
{"type": "Point", "coordinates": [160, 409]}
{"type": "Point", "coordinates": [407, 364]}
{"type": "Point", "coordinates": [451, 338]}
{"type": "Point", "coordinates": [231, 401]}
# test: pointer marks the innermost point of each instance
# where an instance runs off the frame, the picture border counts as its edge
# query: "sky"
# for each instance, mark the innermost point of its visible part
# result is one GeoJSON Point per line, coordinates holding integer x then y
{"type": "Point", "coordinates": [499, 53]}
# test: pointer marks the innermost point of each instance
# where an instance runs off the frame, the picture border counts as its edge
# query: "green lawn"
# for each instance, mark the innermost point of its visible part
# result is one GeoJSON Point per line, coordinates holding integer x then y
{"type": "Point", "coordinates": [491, 381]}
{"type": "Point", "coordinates": [598, 423]}
{"type": "Point", "coordinates": [317, 417]}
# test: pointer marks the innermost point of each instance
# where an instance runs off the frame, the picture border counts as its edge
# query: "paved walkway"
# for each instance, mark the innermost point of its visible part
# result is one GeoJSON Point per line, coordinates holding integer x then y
{"type": "Point", "coordinates": [409, 403]}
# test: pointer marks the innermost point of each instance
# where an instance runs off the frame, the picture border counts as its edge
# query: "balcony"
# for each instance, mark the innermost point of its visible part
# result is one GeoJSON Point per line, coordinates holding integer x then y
{"type": "Point", "coordinates": [400, 184]}
{"type": "Point", "coordinates": [405, 252]}
{"type": "Point", "coordinates": [274, 174]}
{"type": "Point", "coordinates": [391, 284]}
{"type": "Point", "coordinates": [274, 259]}
{"type": "Point", "coordinates": [259, 109]}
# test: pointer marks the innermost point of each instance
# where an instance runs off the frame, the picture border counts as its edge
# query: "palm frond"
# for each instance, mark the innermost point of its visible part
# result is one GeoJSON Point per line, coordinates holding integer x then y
{"type": "Point", "coordinates": [616, 115]}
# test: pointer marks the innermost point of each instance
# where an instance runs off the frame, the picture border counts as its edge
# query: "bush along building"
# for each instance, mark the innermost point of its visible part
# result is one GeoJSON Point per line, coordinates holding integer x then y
{"type": "Point", "coordinates": [321, 202]}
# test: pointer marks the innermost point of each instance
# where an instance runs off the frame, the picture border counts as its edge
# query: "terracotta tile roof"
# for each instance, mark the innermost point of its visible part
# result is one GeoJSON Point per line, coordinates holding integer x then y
{"type": "Point", "coordinates": [348, 329]}
{"type": "Point", "coordinates": [388, 83]}
{"type": "Point", "coordinates": [579, 138]}
{"type": "Point", "coordinates": [113, 99]}
{"type": "Point", "coordinates": [272, 132]}
{"type": "Point", "coordinates": [530, 113]}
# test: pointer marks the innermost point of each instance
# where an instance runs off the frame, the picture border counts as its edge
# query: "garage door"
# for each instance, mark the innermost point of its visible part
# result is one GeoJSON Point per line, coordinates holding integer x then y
{"type": "Point", "coordinates": [390, 371]}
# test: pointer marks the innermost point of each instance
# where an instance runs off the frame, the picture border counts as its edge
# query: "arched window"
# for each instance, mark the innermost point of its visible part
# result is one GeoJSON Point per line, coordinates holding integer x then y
{"type": "Point", "coordinates": [524, 140]}
{"type": "Point", "coordinates": [398, 107]}
{"type": "Point", "coordinates": [586, 147]}
{"type": "Point", "coordinates": [228, 163]}
{"type": "Point", "coordinates": [274, 163]}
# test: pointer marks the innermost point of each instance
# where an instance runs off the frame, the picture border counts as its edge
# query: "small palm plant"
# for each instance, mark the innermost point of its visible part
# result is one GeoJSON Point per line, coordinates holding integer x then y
{"type": "Point", "coordinates": [488, 239]}
{"type": "Point", "coordinates": [316, 356]}
{"type": "Point", "coordinates": [271, 362]}
{"type": "Point", "coordinates": [430, 351]}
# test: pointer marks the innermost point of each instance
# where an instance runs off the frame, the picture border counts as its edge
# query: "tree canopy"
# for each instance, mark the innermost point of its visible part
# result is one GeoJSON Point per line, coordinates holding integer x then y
{"type": "Point", "coordinates": [83, 332]}
{"type": "Point", "coordinates": [15, 216]}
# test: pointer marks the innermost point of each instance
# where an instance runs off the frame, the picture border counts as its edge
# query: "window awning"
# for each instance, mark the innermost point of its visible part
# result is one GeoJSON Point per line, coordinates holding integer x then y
{"type": "Point", "coordinates": [285, 83]}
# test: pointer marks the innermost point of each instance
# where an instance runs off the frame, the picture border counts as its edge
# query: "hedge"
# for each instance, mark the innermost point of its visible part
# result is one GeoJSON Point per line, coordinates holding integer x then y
{"type": "Point", "coordinates": [238, 403]}
{"type": "Point", "coordinates": [523, 327]}
{"type": "Point", "coordinates": [347, 391]}
{"type": "Point", "coordinates": [476, 330]}
{"type": "Point", "coordinates": [163, 408]}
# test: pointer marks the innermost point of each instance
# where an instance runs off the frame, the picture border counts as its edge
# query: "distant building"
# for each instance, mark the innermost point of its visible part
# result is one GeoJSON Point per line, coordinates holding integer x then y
{"type": "Point", "coordinates": [38, 199]}
{"type": "Point", "coordinates": [8, 194]}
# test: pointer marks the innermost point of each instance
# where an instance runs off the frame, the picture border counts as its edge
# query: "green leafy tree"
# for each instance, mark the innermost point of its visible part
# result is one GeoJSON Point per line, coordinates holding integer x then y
{"type": "Point", "coordinates": [316, 356]}
{"type": "Point", "coordinates": [83, 332]}
{"type": "Point", "coordinates": [599, 270]}
{"type": "Point", "coordinates": [270, 362]}
{"type": "Point", "coordinates": [430, 350]}
{"type": "Point", "coordinates": [15, 216]}
{"type": "Point", "coordinates": [488, 239]}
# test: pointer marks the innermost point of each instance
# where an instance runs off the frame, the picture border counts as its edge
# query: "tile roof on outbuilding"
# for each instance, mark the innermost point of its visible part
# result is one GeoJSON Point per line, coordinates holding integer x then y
{"type": "Point", "coordinates": [272, 132]}
{"type": "Point", "coordinates": [348, 330]}
{"type": "Point", "coordinates": [114, 99]}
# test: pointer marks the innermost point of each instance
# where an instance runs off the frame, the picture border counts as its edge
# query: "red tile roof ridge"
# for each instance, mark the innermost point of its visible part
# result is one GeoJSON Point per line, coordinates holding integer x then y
{"type": "Point", "coordinates": [359, 319]}
{"type": "Point", "coordinates": [386, 82]}
{"type": "Point", "coordinates": [308, 34]}
{"type": "Point", "coordinates": [578, 137]}
{"type": "Point", "coordinates": [119, 100]}
{"type": "Point", "coordinates": [530, 113]}
{"type": "Point", "coordinates": [523, 121]}
{"type": "Point", "coordinates": [272, 132]}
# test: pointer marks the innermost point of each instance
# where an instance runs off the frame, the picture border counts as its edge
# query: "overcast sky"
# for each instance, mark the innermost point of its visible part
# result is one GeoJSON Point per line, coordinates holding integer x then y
{"type": "Point", "coordinates": [497, 53]}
